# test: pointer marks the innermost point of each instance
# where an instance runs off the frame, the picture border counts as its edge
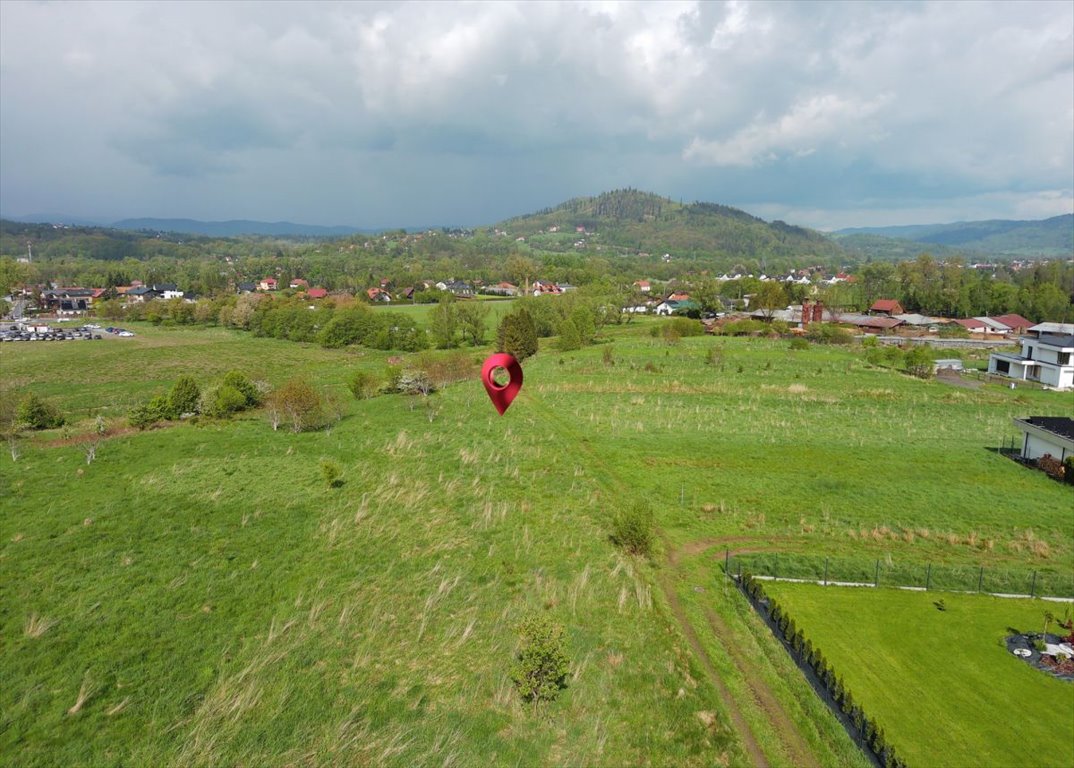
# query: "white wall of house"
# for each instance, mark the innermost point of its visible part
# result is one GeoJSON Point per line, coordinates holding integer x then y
{"type": "Point", "coordinates": [1035, 446]}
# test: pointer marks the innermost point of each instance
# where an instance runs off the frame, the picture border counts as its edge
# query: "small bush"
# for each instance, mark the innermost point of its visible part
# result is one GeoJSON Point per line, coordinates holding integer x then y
{"type": "Point", "coordinates": [798, 343]}
{"type": "Point", "coordinates": [37, 413]}
{"type": "Point", "coordinates": [918, 362]}
{"type": "Point", "coordinates": [608, 356]}
{"type": "Point", "coordinates": [632, 529]}
{"type": "Point", "coordinates": [827, 333]}
{"type": "Point", "coordinates": [238, 381]}
{"type": "Point", "coordinates": [745, 328]}
{"type": "Point", "coordinates": [540, 670]}
{"type": "Point", "coordinates": [363, 385]}
{"type": "Point", "coordinates": [184, 396]}
{"type": "Point", "coordinates": [332, 473]}
{"type": "Point", "coordinates": [223, 401]}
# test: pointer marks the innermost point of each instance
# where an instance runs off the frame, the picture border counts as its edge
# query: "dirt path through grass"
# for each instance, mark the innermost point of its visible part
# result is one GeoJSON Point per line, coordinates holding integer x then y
{"type": "Point", "coordinates": [794, 746]}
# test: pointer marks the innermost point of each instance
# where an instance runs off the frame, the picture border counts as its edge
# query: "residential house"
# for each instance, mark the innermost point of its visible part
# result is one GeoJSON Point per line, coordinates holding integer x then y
{"type": "Point", "coordinates": [378, 296]}
{"type": "Point", "coordinates": [1047, 357]}
{"type": "Point", "coordinates": [70, 301]}
{"type": "Point", "coordinates": [502, 289]}
{"type": "Point", "coordinates": [460, 289]}
{"type": "Point", "coordinates": [140, 294]}
{"type": "Point", "coordinates": [643, 286]}
{"type": "Point", "coordinates": [297, 283]}
{"type": "Point", "coordinates": [540, 288]}
{"type": "Point", "coordinates": [675, 306]}
{"type": "Point", "coordinates": [889, 307]}
{"type": "Point", "coordinates": [268, 284]}
{"type": "Point", "coordinates": [167, 290]}
{"type": "Point", "coordinates": [1046, 435]}
{"type": "Point", "coordinates": [1016, 323]}
{"type": "Point", "coordinates": [984, 325]}
{"type": "Point", "coordinates": [245, 288]}
{"type": "Point", "coordinates": [316, 293]}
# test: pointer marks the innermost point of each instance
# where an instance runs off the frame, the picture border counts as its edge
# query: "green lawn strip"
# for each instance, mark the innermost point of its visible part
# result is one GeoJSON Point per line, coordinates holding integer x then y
{"type": "Point", "coordinates": [818, 727]}
{"type": "Point", "coordinates": [941, 683]}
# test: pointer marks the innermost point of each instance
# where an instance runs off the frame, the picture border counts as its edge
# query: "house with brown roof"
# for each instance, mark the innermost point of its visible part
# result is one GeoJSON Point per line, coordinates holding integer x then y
{"type": "Point", "coordinates": [1016, 323]}
{"type": "Point", "coordinates": [889, 307]}
{"type": "Point", "coordinates": [298, 282]}
{"type": "Point", "coordinates": [268, 284]}
{"type": "Point", "coordinates": [377, 295]}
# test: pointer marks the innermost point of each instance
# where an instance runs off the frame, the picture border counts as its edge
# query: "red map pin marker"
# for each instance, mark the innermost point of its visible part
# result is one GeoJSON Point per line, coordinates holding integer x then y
{"type": "Point", "coordinates": [501, 395]}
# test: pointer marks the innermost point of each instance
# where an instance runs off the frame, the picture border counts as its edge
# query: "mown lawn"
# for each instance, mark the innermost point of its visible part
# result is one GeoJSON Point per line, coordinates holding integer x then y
{"type": "Point", "coordinates": [941, 683]}
{"type": "Point", "coordinates": [211, 601]}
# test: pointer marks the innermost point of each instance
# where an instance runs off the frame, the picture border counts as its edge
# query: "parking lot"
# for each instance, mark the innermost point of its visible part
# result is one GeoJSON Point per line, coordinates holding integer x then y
{"type": "Point", "coordinates": [29, 331]}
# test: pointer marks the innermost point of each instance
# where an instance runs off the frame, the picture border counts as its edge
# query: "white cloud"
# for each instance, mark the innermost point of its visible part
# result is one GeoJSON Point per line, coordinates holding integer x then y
{"type": "Point", "coordinates": [730, 101]}
{"type": "Point", "coordinates": [828, 119]}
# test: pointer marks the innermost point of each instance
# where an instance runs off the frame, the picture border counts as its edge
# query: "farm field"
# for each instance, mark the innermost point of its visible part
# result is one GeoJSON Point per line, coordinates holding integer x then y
{"type": "Point", "coordinates": [917, 670]}
{"type": "Point", "coordinates": [198, 595]}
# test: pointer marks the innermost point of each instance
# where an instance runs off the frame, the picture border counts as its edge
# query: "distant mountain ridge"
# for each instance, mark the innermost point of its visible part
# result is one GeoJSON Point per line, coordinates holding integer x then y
{"type": "Point", "coordinates": [229, 228]}
{"type": "Point", "coordinates": [237, 227]}
{"type": "Point", "coordinates": [643, 221]}
{"type": "Point", "coordinates": [1045, 237]}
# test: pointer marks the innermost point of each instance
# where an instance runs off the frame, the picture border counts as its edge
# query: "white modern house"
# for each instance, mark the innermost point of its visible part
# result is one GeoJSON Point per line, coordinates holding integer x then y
{"type": "Point", "coordinates": [1052, 435]}
{"type": "Point", "coordinates": [1047, 357]}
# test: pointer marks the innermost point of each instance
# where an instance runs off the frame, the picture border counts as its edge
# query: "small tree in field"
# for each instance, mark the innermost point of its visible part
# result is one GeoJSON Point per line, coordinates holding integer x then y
{"type": "Point", "coordinates": [540, 671]}
{"type": "Point", "coordinates": [298, 404]}
{"type": "Point", "coordinates": [37, 413]}
{"type": "Point", "coordinates": [184, 396]}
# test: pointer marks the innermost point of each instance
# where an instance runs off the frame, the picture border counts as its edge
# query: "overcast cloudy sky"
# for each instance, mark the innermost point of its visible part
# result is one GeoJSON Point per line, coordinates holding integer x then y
{"type": "Point", "coordinates": [372, 115]}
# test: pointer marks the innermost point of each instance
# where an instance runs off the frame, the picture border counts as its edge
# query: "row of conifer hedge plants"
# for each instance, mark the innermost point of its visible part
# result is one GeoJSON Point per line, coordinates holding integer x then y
{"type": "Point", "coordinates": [868, 733]}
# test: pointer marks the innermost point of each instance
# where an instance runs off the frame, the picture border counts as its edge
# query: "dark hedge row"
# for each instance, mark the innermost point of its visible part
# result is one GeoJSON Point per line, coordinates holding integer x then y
{"type": "Point", "coordinates": [869, 733]}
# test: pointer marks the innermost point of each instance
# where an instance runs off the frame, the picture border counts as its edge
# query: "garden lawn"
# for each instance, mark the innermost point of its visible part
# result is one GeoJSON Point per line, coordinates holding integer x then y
{"type": "Point", "coordinates": [941, 683]}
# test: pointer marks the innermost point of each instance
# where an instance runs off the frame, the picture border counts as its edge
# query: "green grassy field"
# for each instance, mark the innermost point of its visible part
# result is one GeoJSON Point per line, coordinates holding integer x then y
{"type": "Point", "coordinates": [920, 670]}
{"type": "Point", "coordinates": [198, 596]}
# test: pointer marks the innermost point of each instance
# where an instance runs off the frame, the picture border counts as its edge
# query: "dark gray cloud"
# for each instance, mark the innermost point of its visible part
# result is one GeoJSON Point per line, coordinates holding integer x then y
{"type": "Point", "coordinates": [387, 114]}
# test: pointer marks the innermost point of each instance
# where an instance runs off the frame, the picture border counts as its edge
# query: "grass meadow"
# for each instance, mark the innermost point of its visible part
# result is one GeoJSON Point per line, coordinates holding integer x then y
{"type": "Point", "coordinates": [199, 596]}
{"type": "Point", "coordinates": [920, 670]}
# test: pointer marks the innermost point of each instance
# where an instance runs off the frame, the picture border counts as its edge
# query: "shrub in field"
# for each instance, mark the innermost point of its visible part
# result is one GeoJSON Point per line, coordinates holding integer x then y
{"type": "Point", "coordinates": [363, 384]}
{"type": "Point", "coordinates": [918, 362]}
{"type": "Point", "coordinates": [37, 413]}
{"type": "Point", "coordinates": [828, 333]}
{"type": "Point", "coordinates": [686, 326]}
{"type": "Point", "coordinates": [569, 336]}
{"type": "Point", "coordinates": [798, 343]}
{"type": "Point", "coordinates": [632, 529]}
{"type": "Point", "coordinates": [239, 381]}
{"type": "Point", "coordinates": [297, 404]}
{"type": "Point", "coordinates": [332, 473]}
{"type": "Point", "coordinates": [540, 670]}
{"type": "Point", "coordinates": [517, 335]}
{"type": "Point", "coordinates": [184, 396]}
{"type": "Point", "coordinates": [744, 328]}
{"type": "Point", "coordinates": [223, 401]}
{"type": "Point", "coordinates": [157, 409]}
{"type": "Point", "coordinates": [1068, 469]}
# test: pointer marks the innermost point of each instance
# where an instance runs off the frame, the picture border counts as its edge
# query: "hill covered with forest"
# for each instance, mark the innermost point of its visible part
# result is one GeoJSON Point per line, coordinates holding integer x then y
{"type": "Point", "coordinates": [642, 221]}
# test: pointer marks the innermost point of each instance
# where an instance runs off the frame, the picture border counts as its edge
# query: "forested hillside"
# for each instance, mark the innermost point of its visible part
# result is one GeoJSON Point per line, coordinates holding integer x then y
{"type": "Point", "coordinates": [642, 221]}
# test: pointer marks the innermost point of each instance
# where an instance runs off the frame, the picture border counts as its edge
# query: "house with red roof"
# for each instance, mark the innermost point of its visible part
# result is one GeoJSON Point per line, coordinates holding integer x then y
{"type": "Point", "coordinates": [889, 307]}
{"type": "Point", "coordinates": [268, 284]}
{"type": "Point", "coordinates": [377, 295]}
{"type": "Point", "coordinates": [1016, 323]}
{"type": "Point", "coordinates": [316, 293]}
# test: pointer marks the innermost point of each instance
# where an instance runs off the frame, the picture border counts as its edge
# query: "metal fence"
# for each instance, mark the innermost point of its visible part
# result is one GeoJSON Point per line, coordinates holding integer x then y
{"type": "Point", "coordinates": [884, 572]}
